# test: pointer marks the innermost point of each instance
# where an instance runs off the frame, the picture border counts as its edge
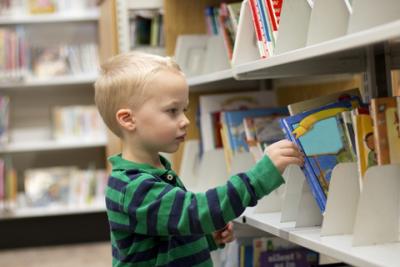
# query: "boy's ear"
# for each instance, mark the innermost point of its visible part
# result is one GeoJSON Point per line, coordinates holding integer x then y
{"type": "Point", "coordinates": [126, 119]}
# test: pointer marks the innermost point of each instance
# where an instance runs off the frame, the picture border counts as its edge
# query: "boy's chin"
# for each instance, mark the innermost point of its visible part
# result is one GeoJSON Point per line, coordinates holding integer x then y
{"type": "Point", "coordinates": [171, 149]}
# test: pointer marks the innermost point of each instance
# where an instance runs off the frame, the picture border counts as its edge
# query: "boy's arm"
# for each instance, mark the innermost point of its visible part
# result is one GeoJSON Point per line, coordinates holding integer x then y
{"type": "Point", "coordinates": [157, 208]}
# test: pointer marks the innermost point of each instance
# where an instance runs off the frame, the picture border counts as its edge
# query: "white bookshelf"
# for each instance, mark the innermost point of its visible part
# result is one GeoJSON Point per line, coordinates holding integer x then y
{"type": "Point", "coordinates": [53, 81]}
{"type": "Point", "coordinates": [339, 55]}
{"type": "Point", "coordinates": [84, 15]}
{"type": "Point", "coordinates": [56, 210]}
{"type": "Point", "coordinates": [50, 145]}
{"type": "Point", "coordinates": [339, 246]}
{"type": "Point", "coordinates": [211, 77]}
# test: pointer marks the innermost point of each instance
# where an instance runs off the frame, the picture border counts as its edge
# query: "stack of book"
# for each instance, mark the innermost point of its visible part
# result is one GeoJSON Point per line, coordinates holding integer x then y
{"type": "Point", "coordinates": [224, 20]}
{"type": "Point", "coordinates": [77, 122]}
{"type": "Point", "coordinates": [335, 129]}
{"type": "Point", "coordinates": [146, 29]}
{"type": "Point", "coordinates": [266, 15]}
{"type": "Point", "coordinates": [8, 184]}
{"type": "Point", "coordinates": [64, 186]}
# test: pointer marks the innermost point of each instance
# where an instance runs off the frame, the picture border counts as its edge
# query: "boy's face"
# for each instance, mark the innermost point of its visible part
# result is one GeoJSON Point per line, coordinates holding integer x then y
{"type": "Point", "coordinates": [161, 123]}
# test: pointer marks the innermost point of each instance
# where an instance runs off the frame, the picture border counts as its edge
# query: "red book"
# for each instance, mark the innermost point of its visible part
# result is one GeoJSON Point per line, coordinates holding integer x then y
{"type": "Point", "coordinates": [257, 27]}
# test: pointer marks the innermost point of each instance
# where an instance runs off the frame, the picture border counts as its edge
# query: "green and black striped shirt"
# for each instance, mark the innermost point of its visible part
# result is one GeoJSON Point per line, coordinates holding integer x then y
{"type": "Point", "coordinates": [154, 221]}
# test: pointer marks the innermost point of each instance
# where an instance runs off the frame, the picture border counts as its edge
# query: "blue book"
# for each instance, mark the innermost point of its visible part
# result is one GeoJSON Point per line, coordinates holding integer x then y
{"type": "Point", "coordinates": [234, 123]}
{"type": "Point", "coordinates": [320, 135]}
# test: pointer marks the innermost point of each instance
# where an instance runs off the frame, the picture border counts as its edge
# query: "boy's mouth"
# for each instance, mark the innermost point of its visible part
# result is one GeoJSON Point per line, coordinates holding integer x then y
{"type": "Point", "coordinates": [181, 137]}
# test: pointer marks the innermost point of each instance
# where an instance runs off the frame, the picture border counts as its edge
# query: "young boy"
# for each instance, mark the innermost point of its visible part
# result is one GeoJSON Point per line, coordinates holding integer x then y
{"type": "Point", "coordinates": [154, 220]}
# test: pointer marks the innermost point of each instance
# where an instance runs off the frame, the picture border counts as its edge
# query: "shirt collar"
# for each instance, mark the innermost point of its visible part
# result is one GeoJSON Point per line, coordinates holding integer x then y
{"type": "Point", "coordinates": [119, 163]}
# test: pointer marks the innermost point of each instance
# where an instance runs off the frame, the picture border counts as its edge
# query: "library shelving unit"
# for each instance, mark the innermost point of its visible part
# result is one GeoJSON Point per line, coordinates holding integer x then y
{"type": "Point", "coordinates": [124, 7]}
{"type": "Point", "coordinates": [31, 142]}
{"type": "Point", "coordinates": [360, 229]}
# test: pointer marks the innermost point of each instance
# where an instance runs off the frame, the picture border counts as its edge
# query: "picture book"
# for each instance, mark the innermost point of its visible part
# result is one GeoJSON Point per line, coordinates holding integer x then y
{"type": "Point", "coordinates": [349, 131]}
{"type": "Point", "coordinates": [365, 143]}
{"type": "Point", "coordinates": [261, 132]}
{"type": "Point", "coordinates": [386, 129]}
{"type": "Point", "coordinates": [211, 104]}
{"type": "Point", "coordinates": [235, 127]}
{"type": "Point", "coordinates": [320, 135]}
{"type": "Point", "coordinates": [313, 103]}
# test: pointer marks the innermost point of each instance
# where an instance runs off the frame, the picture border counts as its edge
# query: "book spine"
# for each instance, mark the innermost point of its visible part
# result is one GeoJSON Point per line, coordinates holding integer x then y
{"type": "Point", "coordinates": [316, 188]}
{"type": "Point", "coordinates": [257, 28]}
{"type": "Point", "coordinates": [378, 114]}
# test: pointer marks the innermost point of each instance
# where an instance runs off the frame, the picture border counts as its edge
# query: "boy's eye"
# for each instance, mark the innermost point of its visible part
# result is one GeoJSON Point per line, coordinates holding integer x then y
{"type": "Point", "coordinates": [172, 111]}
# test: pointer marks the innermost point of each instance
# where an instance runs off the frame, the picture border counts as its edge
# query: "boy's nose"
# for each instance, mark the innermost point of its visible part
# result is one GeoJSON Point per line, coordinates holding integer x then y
{"type": "Point", "coordinates": [185, 122]}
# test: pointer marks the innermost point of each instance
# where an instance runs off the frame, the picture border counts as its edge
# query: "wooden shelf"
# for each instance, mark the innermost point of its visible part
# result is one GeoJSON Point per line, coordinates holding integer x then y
{"type": "Point", "coordinates": [87, 15]}
{"type": "Point", "coordinates": [51, 211]}
{"type": "Point", "coordinates": [50, 145]}
{"type": "Point", "coordinates": [341, 55]}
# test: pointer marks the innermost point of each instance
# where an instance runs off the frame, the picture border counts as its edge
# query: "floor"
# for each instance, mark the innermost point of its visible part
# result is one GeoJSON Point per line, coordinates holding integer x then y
{"type": "Point", "coordinates": [92, 254]}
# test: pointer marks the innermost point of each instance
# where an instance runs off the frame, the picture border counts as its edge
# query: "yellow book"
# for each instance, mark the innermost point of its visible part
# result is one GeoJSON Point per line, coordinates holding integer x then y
{"type": "Point", "coordinates": [365, 144]}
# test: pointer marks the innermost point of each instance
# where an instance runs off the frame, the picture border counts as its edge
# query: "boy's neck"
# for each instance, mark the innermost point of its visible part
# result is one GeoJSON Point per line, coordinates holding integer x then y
{"type": "Point", "coordinates": [138, 156]}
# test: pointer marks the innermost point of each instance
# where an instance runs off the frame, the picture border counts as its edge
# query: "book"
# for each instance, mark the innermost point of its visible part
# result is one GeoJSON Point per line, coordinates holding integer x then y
{"type": "Point", "coordinates": [320, 136]}
{"type": "Point", "coordinates": [234, 13]}
{"type": "Point", "coordinates": [386, 130]}
{"type": "Point", "coordinates": [211, 104]}
{"type": "Point", "coordinates": [395, 74]}
{"type": "Point", "coordinates": [365, 143]}
{"type": "Point", "coordinates": [313, 103]}
{"type": "Point", "coordinates": [234, 122]}
{"type": "Point", "coordinates": [42, 6]}
{"type": "Point", "coordinates": [298, 256]}
{"type": "Point", "coordinates": [261, 132]}
{"type": "Point", "coordinates": [349, 131]}
{"type": "Point", "coordinates": [261, 41]}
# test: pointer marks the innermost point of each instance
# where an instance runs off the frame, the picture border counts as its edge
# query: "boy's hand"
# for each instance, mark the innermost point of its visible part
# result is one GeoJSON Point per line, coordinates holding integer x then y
{"type": "Point", "coordinates": [225, 235]}
{"type": "Point", "coordinates": [284, 153]}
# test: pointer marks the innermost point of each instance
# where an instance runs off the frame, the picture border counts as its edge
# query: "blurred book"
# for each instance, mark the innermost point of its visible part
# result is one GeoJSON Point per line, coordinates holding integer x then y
{"type": "Point", "coordinates": [77, 122]}
{"type": "Point", "coordinates": [386, 130]}
{"type": "Point", "coordinates": [211, 105]}
{"type": "Point", "coordinates": [261, 132]}
{"type": "Point", "coordinates": [42, 6]}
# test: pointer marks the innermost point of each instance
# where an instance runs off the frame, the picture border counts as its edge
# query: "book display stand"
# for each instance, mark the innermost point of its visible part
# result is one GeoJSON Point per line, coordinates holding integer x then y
{"type": "Point", "coordinates": [377, 217]}
{"type": "Point", "coordinates": [245, 49]}
{"type": "Point", "coordinates": [293, 25]}
{"type": "Point", "coordinates": [329, 20]}
{"type": "Point", "coordinates": [368, 13]}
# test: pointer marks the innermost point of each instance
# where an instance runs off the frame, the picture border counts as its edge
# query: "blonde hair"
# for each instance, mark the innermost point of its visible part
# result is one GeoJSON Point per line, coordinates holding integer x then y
{"type": "Point", "coordinates": [122, 81]}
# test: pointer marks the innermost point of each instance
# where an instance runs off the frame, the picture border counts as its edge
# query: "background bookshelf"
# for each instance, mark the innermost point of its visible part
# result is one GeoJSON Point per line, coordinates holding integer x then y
{"type": "Point", "coordinates": [63, 37]}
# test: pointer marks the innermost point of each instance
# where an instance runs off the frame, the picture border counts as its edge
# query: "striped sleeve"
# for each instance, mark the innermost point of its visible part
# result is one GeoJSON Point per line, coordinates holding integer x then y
{"type": "Point", "coordinates": [156, 208]}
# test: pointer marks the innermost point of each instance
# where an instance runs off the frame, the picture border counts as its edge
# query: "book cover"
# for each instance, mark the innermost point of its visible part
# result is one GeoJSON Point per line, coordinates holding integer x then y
{"type": "Point", "coordinates": [314, 103]}
{"type": "Point", "coordinates": [235, 127]}
{"type": "Point", "coordinates": [349, 131]}
{"type": "Point", "coordinates": [320, 135]}
{"type": "Point", "coordinates": [299, 257]}
{"type": "Point", "coordinates": [386, 129]}
{"type": "Point", "coordinates": [261, 132]}
{"type": "Point", "coordinates": [210, 104]}
{"type": "Point", "coordinates": [234, 13]}
{"type": "Point", "coordinates": [365, 143]}
{"type": "Point", "coordinates": [395, 74]}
